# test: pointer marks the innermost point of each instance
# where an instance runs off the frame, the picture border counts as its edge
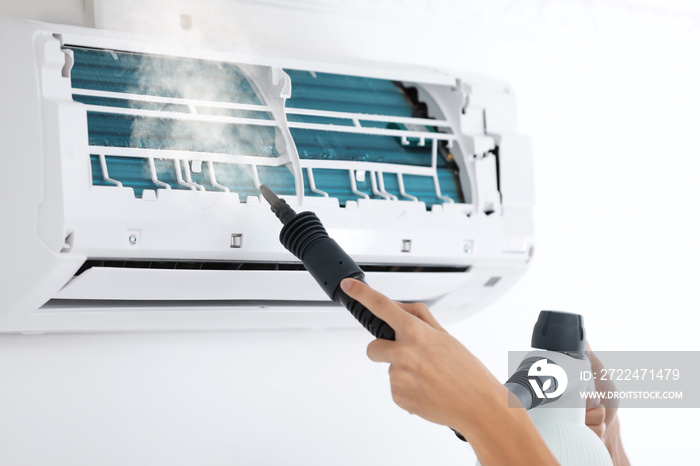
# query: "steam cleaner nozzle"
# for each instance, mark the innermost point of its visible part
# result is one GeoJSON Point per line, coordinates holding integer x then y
{"type": "Point", "coordinates": [279, 206]}
{"type": "Point", "coordinates": [304, 236]}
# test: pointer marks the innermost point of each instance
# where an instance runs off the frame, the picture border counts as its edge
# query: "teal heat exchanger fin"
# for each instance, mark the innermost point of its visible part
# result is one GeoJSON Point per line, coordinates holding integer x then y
{"type": "Point", "coordinates": [160, 122]}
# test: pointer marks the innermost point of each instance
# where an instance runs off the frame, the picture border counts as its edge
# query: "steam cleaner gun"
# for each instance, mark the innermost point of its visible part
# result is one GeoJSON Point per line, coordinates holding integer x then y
{"type": "Point", "coordinates": [560, 335]}
{"type": "Point", "coordinates": [549, 385]}
{"type": "Point", "coordinates": [304, 236]}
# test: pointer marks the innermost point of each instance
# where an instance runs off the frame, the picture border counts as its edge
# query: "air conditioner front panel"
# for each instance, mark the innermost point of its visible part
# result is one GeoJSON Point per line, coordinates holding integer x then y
{"type": "Point", "coordinates": [141, 152]}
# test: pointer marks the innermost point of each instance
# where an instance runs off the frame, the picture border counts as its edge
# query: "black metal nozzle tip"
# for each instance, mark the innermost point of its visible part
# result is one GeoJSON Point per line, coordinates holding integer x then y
{"type": "Point", "coordinates": [277, 205]}
{"type": "Point", "coordinates": [269, 195]}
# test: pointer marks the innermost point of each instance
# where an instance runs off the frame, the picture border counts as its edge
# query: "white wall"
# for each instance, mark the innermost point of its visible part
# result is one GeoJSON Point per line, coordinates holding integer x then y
{"type": "Point", "coordinates": [56, 11]}
{"type": "Point", "coordinates": [609, 94]}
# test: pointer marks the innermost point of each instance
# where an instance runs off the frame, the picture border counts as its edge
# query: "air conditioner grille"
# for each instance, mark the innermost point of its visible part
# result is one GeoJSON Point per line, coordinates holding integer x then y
{"type": "Point", "coordinates": [157, 122]}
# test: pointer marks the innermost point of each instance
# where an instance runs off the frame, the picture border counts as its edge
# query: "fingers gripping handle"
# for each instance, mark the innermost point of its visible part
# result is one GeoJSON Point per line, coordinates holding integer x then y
{"type": "Point", "coordinates": [372, 323]}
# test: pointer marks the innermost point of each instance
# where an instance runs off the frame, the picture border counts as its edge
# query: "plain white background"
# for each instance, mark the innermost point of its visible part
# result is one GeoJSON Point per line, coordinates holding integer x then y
{"type": "Point", "coordinates": [607, 90]}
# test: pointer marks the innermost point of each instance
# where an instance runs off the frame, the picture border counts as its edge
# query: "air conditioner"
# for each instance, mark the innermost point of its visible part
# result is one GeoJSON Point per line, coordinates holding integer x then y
{"type": "Point", "coordinates": [131, 166]}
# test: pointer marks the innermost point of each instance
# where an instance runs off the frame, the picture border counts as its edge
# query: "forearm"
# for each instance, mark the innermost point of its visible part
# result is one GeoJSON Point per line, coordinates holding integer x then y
{"type": "Point", "coordinates": [503, 435]}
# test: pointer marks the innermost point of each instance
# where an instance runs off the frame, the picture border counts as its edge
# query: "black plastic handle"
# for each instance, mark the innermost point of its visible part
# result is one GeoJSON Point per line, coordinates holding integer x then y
{"type": "Point", "coordinates": [372, 323]}
{"type": "Point", "coordinates": [306, 238]}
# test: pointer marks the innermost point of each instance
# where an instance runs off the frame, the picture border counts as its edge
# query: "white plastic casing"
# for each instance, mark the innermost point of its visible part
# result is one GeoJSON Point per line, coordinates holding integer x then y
{"type": "Point", "coordinates": [54, 218]}
{"type": "Point", "coordinates": [564, 429]}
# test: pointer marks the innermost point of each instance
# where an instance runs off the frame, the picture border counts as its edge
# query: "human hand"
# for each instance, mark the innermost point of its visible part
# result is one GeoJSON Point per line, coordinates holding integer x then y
{"type": "Point", "coordinates": [601, 415]}
{"type": "Point", "coordinates": [595, 419]}
{"type": "Point", "coordinates": [434, 376]}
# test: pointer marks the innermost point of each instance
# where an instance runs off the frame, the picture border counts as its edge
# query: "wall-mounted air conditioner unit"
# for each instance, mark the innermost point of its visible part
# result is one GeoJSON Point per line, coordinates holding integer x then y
{"type": "Point", "coordinates": [131, 166]}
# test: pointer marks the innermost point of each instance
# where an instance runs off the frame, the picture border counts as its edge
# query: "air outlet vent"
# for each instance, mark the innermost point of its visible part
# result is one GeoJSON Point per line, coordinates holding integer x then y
{"type": "Point", "coordinates": [216, 265]}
